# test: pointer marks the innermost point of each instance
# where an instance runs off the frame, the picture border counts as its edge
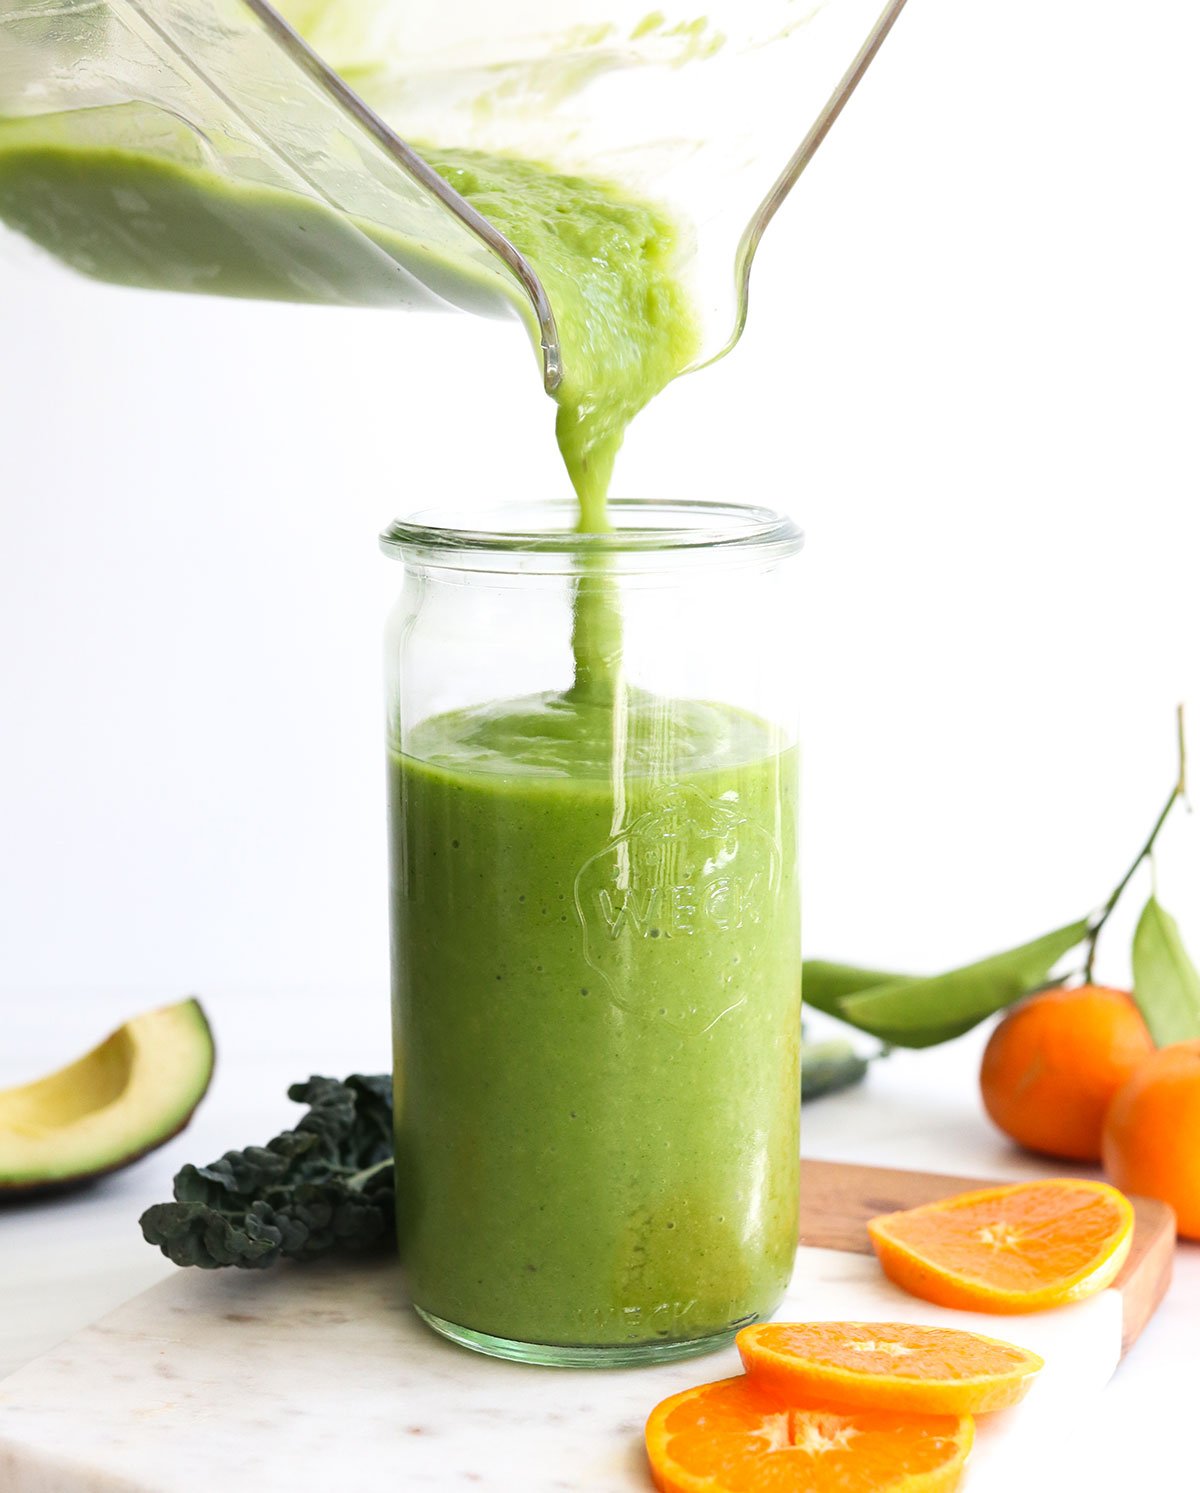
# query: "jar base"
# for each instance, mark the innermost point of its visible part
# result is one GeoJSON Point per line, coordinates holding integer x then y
{"type": "Point", "coordinates": [576, 1356]}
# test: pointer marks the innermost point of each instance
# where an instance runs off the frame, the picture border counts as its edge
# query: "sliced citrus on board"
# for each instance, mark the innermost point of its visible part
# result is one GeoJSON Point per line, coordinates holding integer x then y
{"type": "Point", "coordinates": [1021, 1248]}
{"type": "Point", "coordinates": [887, 1366]}
{"type": "Point", "coordinates": [736, 1437]}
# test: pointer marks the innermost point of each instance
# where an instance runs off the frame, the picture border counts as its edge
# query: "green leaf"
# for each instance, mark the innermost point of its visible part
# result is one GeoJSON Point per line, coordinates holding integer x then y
{"type": "Point", "coordinates": [919, 1036]}
{"type": "Point", "coordinates": [1165, 983]}
{"type": "Point", "coordinates": [908, 1012]}
{"type": "Point", "coordinates": [827, 985]}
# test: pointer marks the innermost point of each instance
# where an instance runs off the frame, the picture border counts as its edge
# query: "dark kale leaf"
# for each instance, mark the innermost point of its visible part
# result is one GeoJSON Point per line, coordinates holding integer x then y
{"type": "Point", "coordinates": [324, 1187]}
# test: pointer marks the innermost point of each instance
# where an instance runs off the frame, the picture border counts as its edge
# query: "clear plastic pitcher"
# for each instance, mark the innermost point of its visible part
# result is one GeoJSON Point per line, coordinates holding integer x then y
{"type": "Point", "coordinates": [274, 155]}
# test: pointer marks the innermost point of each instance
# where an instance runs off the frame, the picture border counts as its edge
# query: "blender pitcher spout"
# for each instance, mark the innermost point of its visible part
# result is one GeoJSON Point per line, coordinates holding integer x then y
{"type": "Point", "coordinates": [240, 147]}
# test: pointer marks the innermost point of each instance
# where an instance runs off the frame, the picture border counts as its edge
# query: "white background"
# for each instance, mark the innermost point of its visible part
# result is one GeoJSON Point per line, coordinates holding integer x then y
{"type": "Point", "coordinates": [970, 372]}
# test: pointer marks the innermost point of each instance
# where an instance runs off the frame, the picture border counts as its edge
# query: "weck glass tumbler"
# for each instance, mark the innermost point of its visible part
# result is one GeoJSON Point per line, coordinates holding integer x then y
{"type": "Point", "coordinates": [595, 925]}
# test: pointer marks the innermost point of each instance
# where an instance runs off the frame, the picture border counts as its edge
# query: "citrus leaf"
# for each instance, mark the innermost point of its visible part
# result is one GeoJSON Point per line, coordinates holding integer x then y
{"type": "Point", "coordinates": [1165, 983]}
{"type": "Point", "coordinates": [922, 1012]}
{"type": "Point", "coordinates": [826, 985]}
{"type": "Point", "coordinates": [918, 1036]}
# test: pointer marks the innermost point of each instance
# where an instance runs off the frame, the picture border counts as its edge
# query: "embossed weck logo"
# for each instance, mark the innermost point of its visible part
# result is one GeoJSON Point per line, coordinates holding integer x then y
{"type": "Point", "coordinates": [686, 867]}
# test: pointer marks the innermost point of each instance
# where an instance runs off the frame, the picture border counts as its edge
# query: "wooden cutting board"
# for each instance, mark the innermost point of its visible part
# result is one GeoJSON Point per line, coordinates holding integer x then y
{"type": "Point", "coordinates": [302, 1379]}
{"type": "Point", "coordinates": [837, 1199]}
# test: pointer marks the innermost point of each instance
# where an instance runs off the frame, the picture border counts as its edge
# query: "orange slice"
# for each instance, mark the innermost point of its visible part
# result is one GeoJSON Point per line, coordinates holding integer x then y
{"type": "Point", "coordinates": [1008, 1249]}
{"type": "Point", "coordinates": [736, 1437]}
{"type": "Point", "coordinates": [887, 1366]}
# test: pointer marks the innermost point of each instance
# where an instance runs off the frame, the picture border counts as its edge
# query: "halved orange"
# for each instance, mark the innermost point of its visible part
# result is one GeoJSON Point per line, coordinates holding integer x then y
{"type": "Point", "coordinates": [887, 1366]}
{"type": "Point", "coordinates": [736, 1437]}
{"type": "Point", "coordinates": [1020, 1248]}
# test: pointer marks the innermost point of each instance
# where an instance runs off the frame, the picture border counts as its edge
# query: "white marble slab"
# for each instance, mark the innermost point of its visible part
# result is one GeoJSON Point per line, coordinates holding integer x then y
{"type": "Point", "coordinates": [321, 1378]}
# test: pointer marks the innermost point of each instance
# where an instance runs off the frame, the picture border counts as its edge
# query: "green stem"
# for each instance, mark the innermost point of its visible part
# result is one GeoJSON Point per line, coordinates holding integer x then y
{"type": "Point", "coordinates": [1179, 791]}
{"type": "Point", "coordinates": [1181, 786]}
{"type": "Point", "coordinates": [360, 1179]}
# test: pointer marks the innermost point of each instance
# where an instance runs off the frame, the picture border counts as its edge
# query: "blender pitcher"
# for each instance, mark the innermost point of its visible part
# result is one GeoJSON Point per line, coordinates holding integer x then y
{"type": "Point", "coordinates": [235, 148]}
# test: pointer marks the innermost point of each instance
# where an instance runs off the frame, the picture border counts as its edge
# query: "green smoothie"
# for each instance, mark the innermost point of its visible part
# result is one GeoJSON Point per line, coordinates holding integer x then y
{"type": "Point", "coordinates": [596, 962]}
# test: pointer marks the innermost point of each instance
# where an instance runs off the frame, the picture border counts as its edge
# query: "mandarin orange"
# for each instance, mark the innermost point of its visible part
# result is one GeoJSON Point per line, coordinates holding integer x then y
{"type": "Point", "coordinates": [736, 1437]}
{"type": "Point", "coordinates": [1053, 1065]}
{"type": "Point", "coordinates": [1152, 1133]}
{"type": "Point", "coordinates": [887, 1366]}
{"type": "Point", "coordinates": [1020, 1248]}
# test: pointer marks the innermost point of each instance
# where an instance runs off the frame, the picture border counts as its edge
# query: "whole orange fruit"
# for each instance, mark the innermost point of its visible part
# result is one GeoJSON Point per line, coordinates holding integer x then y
{"type": "Point", "coordinates": [1152, 1133]}
{"type": "Point", "coordinates": [1055, 1062]}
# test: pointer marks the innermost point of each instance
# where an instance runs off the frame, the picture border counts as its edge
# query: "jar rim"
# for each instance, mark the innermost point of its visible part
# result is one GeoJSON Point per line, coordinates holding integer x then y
{"type": "Point", "coordinates": [642, 527]}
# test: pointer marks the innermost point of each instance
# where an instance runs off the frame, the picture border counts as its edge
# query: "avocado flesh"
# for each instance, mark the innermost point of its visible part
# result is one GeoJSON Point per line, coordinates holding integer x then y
{"type": "Point", "coordinates": [126, 1097]}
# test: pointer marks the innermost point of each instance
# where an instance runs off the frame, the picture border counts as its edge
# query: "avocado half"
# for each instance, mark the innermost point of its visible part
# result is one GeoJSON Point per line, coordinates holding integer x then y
{"type": "Point", "coordinates": [126, 1097]}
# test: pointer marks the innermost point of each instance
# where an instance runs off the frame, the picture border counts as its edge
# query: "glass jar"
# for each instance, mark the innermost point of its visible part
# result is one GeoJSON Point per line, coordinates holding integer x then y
{"type": "Point", "coordinates": [595, 926]}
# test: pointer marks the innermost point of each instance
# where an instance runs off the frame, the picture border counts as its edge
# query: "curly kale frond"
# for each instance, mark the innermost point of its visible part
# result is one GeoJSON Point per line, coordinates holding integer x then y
{"type": "Point", "coordinates": [324, 1187]}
